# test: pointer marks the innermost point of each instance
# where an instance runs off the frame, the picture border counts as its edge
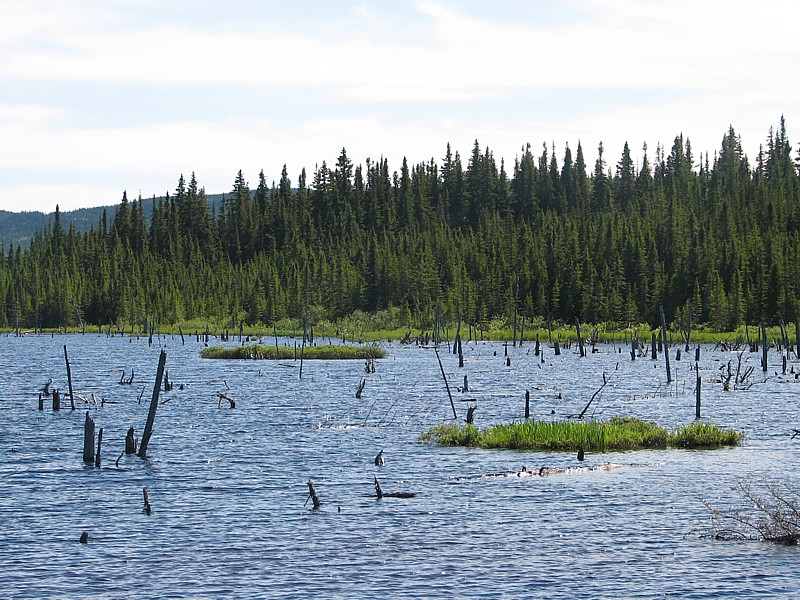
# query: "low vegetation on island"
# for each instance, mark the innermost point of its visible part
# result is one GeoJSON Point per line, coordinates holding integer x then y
{"type": "Point", "coordinates": [287, 353]}
{"type": "Point", "coordinates": [616, 434]}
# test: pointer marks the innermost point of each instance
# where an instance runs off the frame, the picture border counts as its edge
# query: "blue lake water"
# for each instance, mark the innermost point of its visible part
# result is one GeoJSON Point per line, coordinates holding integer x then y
{"type": "Point", "coordinates": [228, 486]}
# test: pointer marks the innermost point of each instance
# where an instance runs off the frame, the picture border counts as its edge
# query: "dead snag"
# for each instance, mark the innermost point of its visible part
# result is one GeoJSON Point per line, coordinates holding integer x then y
{"type": "Point", "coordinates": [664, 336]}
{"type": "Point", "coordinates": [446, 385]}
{"type": "Point", "coordinates": [97, 459]}
{"type": "Point", "coordinates": [151, 415]}
{"type": "Point", "coordinates": [697, 397]}
{"type": "Point", "coordinates": [360, 389]}
{"type": "Point", "coordinates": [69, 377]}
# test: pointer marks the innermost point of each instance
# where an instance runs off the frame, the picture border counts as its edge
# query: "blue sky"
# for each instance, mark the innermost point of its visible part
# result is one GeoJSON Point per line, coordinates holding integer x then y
{"type": "Point", "coordinates": [97, 97]}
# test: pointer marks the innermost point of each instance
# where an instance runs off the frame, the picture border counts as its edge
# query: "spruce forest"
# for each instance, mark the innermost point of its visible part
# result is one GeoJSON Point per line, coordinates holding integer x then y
{"type": "Point", "coordinates": [607, 243]}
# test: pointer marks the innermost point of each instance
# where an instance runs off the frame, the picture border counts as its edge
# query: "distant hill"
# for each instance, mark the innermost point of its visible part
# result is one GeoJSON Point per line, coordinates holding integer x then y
{"type": "Point", "coordinates": [20, 227]}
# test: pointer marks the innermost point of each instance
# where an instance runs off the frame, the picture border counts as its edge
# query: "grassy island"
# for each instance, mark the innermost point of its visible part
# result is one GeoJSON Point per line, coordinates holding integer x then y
{"type": "Point", "coordinates": [619, 433]}
{"type": "Point", "coordinates": [286, 353]}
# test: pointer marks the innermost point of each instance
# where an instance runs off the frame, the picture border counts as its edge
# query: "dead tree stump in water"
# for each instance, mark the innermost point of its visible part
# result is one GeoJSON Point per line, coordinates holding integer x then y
{"type": "Point", "coordinates": [130, 442]}
{"type": "Point", "coordinates": [56, 400]}
{"type": "Point", "coordinates": [88, 440]}
{"type": "Point", "coordinates": [312, 493]}
{"type": "Point", "coordinates": [148, 508]}
{"type": "Point", "coordinates": [471, 414]}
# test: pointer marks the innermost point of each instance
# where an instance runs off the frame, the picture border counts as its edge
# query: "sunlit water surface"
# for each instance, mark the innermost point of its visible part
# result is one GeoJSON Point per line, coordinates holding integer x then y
{"type": "Point", "coordinates": [228, 486]}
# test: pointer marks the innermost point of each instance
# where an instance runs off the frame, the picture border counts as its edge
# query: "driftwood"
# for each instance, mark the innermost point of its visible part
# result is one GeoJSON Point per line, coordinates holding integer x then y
{"type": "Point", "coordinates": [379, 461]}
{"type": "Point", "coordinates": [545, 471]}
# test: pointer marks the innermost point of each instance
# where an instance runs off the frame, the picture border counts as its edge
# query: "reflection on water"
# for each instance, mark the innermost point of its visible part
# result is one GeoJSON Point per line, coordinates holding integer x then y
{"type": "Point", "coordinates": [228, 486]}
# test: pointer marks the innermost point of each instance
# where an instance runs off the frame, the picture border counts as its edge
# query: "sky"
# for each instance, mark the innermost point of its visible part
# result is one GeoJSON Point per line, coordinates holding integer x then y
{"type": "Point", "coordinates": [98, 97]}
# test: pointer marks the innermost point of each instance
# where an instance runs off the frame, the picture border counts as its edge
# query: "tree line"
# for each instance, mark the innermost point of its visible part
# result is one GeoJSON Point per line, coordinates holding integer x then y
{"type": "Point", "coordinates": [548, 236]}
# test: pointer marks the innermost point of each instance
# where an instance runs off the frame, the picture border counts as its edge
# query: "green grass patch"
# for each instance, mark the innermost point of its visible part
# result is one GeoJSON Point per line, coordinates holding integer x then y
{"type": "Point", "coordinates": [283, 352]}
{"type": "Point", "coordinates": [617, 434]}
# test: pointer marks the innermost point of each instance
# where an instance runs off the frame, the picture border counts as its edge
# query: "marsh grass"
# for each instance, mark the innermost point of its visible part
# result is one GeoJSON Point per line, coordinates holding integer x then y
{"type": "Point", "coordinates": [285, 352]}
{"type": "Point", "coordinates": [617, 434]}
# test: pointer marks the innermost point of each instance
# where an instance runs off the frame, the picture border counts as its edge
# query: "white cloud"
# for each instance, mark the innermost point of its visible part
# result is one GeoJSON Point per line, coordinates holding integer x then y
{"type": "Point", "coordinates": [399, 84]}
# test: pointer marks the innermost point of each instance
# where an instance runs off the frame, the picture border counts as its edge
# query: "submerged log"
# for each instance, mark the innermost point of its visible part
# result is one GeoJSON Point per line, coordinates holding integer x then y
{"type": "Point", "coordinates": [381, 494]}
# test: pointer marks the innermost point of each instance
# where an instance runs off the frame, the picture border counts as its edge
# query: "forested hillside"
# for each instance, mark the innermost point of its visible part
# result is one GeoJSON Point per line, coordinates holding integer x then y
{"type": "Point", "coordinates": [605, 243]}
